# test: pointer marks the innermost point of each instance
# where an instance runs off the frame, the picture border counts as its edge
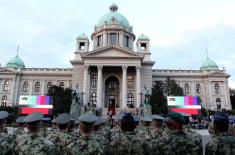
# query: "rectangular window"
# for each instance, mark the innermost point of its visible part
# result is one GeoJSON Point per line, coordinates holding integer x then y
{"type": "Point", "coordinates": [126, 41]}
{"type": "Point", "coordinates": [82, 46]}
{"type": "Point", "coordinates": [113, 38]}
{"type": "Point", "coordinates": [143, 46]}
{"type": "Point", "coordinates": [98, 41]}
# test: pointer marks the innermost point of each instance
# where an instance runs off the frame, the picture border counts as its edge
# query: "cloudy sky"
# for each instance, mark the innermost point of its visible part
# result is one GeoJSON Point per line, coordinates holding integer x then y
{"type": "Point", "coordinates": [179, 30]}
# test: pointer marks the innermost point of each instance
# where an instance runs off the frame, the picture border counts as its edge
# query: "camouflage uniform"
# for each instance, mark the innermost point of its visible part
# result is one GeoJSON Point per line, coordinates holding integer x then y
{"type": "Point", "coordinates": [61, 141]}
{"type": "Point", "coordinates": [145, 133]}
{"type": "Point", "coordinates": [33, 144]}
{"type": "Point", "coordinates": [127, 143]}
{"type": "Point", "coordinates": [211, 129]}
{"type": "Point", "coordinates": [222, 144]}
{"type": "Point", "coordinates": [75, 133]}
{"type": "Point", "coordinates": [5, 143]}
{"type": "Point", "coordinates": [86, 145]}
{"type": "Point", "coordinates": [175, 143]}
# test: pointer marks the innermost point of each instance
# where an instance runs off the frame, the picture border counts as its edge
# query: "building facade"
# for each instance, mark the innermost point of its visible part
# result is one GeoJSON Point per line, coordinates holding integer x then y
{"type": "Point", "coordinates": [113, 73]}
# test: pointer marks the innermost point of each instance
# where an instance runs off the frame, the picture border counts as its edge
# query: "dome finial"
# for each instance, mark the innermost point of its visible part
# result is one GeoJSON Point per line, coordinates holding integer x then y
{"type": "Point", "coordinates": [17, 50]}
{"type": "Point", "coordinates": [113, 7]}
{"type": "Point", "coordinates": [207, 54]}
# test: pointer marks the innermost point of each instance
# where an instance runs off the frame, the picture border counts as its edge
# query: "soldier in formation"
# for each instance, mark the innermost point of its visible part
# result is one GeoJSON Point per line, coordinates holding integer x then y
{"type": "Point", "coordinates": [94, 136]}
{"type": "Point", "coordinates": [221, 143]}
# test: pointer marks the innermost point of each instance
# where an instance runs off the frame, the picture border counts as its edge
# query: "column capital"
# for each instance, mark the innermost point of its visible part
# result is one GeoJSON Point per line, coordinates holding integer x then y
{"type": "Point", "coordinates": [100, 67]}
{"type": "Point", "coordinates": [124, 68]}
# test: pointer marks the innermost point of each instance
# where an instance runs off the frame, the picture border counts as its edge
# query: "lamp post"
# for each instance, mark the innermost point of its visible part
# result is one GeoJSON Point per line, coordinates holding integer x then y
{"type": "Point", "coordinates": [82, 93]}
{"type": "Point", "coordinates": [141, 103]}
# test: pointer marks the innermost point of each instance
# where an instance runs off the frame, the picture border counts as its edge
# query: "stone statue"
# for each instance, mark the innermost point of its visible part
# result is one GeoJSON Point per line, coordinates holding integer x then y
{"type": "Point", "coordinates": [147, 106]}
{"type": "Point", "coordinates": [76, 108]}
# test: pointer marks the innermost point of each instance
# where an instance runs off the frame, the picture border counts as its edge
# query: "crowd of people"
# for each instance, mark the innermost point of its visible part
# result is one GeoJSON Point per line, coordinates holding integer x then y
{"type": "Point", "coordinates": [123, 134]}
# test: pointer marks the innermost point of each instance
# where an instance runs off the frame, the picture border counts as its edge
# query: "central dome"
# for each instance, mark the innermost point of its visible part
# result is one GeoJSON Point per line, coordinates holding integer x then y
{"type": "Point", "coordinates": [113, 17]}
{"type": "Point", "coordinates": [15, 62]}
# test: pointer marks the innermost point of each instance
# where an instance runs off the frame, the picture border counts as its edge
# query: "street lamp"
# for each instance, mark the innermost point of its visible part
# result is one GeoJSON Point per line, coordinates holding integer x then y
{"type": "Point", "coordinates": [141, 103]}
{"type": "Point", "coordinates": [82, 93]}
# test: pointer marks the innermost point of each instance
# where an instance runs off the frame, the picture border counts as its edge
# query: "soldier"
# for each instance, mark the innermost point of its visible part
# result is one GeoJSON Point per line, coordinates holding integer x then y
{"type": "Point", "coordinates": [32, 142]}
{"type": "Point", "coordinates": [73, 131]}
{"type": "Point", "coordinates": [221, 142]}
{"type": "Point", "coordinates": [127, 142]}
{"type": "Point", "coordinates": [157, 128]}
{"type": "Point", "coordinates": [176, 142]}
{"type": "Point", "coordinates": [86, 144]}
{"type": "Point", "coordinates": [21, 126]}
{"type": "Point", "coordinates": [5, 139]}
{"type": "Point", "coordinates": [145, 130]}
{"type": "Point", "coordinates": [61, 137]}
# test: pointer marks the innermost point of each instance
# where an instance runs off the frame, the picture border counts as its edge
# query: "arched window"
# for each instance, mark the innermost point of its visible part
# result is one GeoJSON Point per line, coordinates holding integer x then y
{"type": "Point", "coordinates": [37, 87]}
{"type": "Point", "coordinates": [130, 100]}
{"type": "Point", "coordinates": [216, 88]}
{"type": "Point", "coordinates": [49, 84]}
{"type": "Point", "coordinates": [198, 88]}
{"type": "Point", "coordinates": [93, 98]}
{"type": "Point", "coordinates": [25, 86]}
{"type": "Point", "coordinates": [94, 80]}
{"type": "Point", "coordinates": [61, 84]}
{"type": "Point", "coordinates": [186, 88]}
{"type": "Point", "coordinates": [4, 101]}
{"type": "Point", "coordinates": [6, 86]}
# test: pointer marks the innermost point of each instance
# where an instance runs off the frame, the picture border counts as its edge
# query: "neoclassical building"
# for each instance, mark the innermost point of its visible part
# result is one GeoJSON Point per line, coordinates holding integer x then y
{"type": "Point", "coordinates": [113, 72]}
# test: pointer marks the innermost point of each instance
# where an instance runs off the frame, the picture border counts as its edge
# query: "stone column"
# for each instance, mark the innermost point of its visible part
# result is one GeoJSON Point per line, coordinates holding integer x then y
{"type": "Point", "coordinates": [138, 87]}
{"type": "Point", "coordinates": [85, 84]}
{"type": "Point", "coordinates": [99, 86]}
{"type": "Point", "coordinates": [124, 86]}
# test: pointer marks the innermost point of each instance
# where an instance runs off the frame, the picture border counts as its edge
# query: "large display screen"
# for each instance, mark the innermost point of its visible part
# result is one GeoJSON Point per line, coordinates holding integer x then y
{"type": "Point", "coordinates": [186, 104]}
{"type": "Point", "coordinates": [29, 104]}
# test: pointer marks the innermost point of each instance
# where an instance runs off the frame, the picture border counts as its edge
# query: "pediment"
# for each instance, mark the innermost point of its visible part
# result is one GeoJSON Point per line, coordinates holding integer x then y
{"type": "Point", "coordinates": [112, 52]}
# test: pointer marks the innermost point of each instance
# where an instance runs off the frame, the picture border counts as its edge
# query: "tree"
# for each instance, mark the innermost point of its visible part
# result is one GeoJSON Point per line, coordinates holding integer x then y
{"type": "Point", "coordinates": [160, 91]}
{"type": "Point", "coordinates": [232, 97]}
{"type": "Point", "coordinates": [62, 99]}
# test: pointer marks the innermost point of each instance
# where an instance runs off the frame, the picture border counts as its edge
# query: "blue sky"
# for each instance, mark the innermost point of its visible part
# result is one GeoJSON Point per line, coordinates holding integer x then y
{"type": "Point", "coordinates": [179, 30]}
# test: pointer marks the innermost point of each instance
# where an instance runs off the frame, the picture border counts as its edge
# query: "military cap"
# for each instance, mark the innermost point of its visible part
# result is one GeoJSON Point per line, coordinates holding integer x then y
{"type": "Point", "coordinates": [77, 121]}
{"type": "Point", "coordinates": [20, 119]}
{"type": "Point", "coordinates": [3, 114]}
{"type": "Point", "coordinates": [98, 121]}
{"type": "Point", "coordinates": [128, 117]}
{"type": "Point", "coordinates": [53, 121]}
{"type": "Point", "coordinates": [220, 117]}
{"type": "Point", "coordinates": [88, 118]}
{"type": "Point", "coordinates": [177, 117]}
{"type": "Point", "coordinates": [157, 117]}
{"type": "Point", "coordinates": [136, 119]}
{"type": "Point", "coordinates": [35, 116]}
{"type": "Point", "coordinates": [63, 118]}
{"type": "Point", "coordinates": [147, 119]}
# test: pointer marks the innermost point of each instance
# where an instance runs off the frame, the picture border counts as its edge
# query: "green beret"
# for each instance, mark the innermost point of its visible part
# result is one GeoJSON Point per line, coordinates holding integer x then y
{"type": "Point", "coordinates": [177, 117]}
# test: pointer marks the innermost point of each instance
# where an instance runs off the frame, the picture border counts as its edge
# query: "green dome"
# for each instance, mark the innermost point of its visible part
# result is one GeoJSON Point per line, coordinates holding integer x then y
{"type": "Point", "coordinates": [143, 37]}
{"type": "Point", "coordinates": [15, 62]}
{"type": "Point", "coordinates": [113, 17]}
{"type": "Point", "coordinates": [82, 36]}
{"type": "Point", "coordinates": [209, 64]}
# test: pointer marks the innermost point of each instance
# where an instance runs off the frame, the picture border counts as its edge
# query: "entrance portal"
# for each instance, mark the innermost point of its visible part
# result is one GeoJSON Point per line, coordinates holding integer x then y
{"type": "Point", "coordinates": [112, 92]}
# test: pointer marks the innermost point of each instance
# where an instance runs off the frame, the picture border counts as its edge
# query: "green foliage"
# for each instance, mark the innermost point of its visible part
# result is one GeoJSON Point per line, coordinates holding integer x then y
{"type": "Point", "coordinates": [62, 99]}
{"type": "Point", "coordinates": [160, 91]}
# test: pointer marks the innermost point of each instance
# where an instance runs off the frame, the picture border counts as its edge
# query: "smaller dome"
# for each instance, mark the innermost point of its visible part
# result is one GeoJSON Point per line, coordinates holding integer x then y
{"type": "Point", "coordinates": [209, 64]}
{"type": "Point", "coordinates": [82, 37]}
{"type": "Point", "coordinates": [15, 62]}
{"type": "Point", "coordinates": [143, 37]}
